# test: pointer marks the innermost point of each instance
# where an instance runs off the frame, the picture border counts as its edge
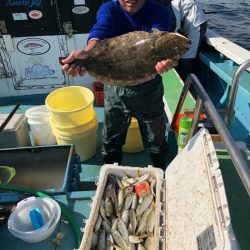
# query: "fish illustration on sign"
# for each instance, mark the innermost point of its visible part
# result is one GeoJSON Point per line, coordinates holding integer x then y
{"type": "Point", "coordinates": [130, 59]}
{"type": "Point", "coordinates": [32, 46]}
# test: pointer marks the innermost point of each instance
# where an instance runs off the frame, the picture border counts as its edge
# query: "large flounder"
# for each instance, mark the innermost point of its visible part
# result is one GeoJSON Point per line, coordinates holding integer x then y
{"type": "Point", "coordinates": [130, 59]}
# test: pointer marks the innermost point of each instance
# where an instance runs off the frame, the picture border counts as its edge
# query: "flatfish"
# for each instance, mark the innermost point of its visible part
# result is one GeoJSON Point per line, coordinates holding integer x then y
{"type": "Point", "coordinates": [130, 59]}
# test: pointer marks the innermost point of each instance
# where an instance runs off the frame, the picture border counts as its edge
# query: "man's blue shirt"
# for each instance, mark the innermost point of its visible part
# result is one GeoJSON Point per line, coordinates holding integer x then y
{"type": "Point", "coordinates": [113, 20]}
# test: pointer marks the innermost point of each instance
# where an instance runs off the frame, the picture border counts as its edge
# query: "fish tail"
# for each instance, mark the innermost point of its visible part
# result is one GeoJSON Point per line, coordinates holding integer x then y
{"type": "Point", "coordinates": [76, 62]}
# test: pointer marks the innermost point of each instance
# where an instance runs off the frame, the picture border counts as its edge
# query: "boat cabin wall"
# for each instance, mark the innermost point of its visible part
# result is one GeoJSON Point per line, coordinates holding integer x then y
{"type": "Point", "coordinates": [29, 65]}
{"type": "Point", "coordinates": [33, 35]}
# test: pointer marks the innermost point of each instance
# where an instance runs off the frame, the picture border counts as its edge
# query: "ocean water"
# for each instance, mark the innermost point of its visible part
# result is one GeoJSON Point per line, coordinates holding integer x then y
{"type": "Point", "coordinates": [230, 20]}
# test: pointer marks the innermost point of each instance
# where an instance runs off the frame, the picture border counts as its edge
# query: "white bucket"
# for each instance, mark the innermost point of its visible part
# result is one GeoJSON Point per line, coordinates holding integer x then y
{"type": "Point", "coordinates": [19, 223]}
{"type": "Point", "coordinates": [39, 123]}
{"type": "Point", "coordinates": [38, 114]}
{"type": "Point", "coordinates": [42, 133]}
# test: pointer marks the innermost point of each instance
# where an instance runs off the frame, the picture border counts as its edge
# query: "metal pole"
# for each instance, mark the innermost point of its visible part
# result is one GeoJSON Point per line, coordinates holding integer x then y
{"type": "Point", "coordinates": [180, 103]}
{"type": "Point", "coordinates": [196, 118]}
{"type": "Point", "coordinates": [4, 124]}
{"type": "Point", "coordinates": [233, 92]}
{"type": "Point", "coordinates": [239, 162]}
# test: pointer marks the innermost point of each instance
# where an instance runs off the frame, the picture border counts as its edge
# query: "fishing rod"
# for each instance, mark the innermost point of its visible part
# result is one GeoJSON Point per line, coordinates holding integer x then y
{"type": "Point", "coordinates": [4, 124]}
{"type": "Point", "coordinates": [218, 12]}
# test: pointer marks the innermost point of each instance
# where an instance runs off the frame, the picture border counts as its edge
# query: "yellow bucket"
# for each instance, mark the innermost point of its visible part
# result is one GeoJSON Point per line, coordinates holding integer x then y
{"type": "Point", "coordinates": [85, 144]}
{"type": "Point", "coordinates": [67, 131]}
{"type": "Point", "coordinates": [84, 137]}
{"type": "Point", "coordinates": [71, 106]}
{"type": "Point", "coordinates": [133, 142]}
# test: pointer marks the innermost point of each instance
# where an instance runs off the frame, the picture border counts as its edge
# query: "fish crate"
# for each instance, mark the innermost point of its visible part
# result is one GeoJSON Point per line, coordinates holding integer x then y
{"type": "Point", "coordinates": [99, 93]}
{"type": "Point", "coordinates": [191, 210]}
{"type": "Point", "coordinates": [53, 169]}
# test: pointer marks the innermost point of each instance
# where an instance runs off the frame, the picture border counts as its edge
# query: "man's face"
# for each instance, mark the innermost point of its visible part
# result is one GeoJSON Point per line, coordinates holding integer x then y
{"type": "Point", "coordinates": [132, 6]}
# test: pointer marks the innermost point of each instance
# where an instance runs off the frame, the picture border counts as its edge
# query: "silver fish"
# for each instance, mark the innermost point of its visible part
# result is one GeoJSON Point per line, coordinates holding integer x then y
{"type": "Point", "coordinates": [101, 243]}
{"type": "Point", "coordinates": [135, 201]}
{"type": "Point", "coordinates": [94, 240]}
{"type": "Point", "coordinates": [119, 240]}
{"type": "Point", "coordinates": [108, 206]}
{"type": "Point", "coordinates": [128, 201]}
{"type": "Point", "coordinates": [121, 199]}
{"type": "Point", "coordinates": [102, 210]}
{"type": "Point", "coordinates": [125, 216]}
{"type": "Point", "coordinates": [143, 222]}
{"type": "Point", "coordinates": [141, 247]}
{"type": "Point", "coordinates": [151, 222]}
{"type": "Point", "coordinates": [134, 239]}
{"type": "Point", "coordinates": [150, 244]}
{"type": "Point", "coordinates": [144, 205]}
{"type": "Point", "coordinates": [128, 190]}
{"type": "Point", "coordinates": [131, 246]}
{"type": "Point", "coordinates": [110, 61]}
{"type": "Point", "coordinates": [152, 186]}
{"type": "Point", "coordinates": [106, 226]}
{"type": "Point", "coordinates": [122, 228]}
{"type": "Point", "coordinates": [114, 224]}
{"type": "Point", "coordinates": [133, 220]}
{"type": "Point", "coordinates": [98, 223]}
{"type": "Point", "coordinates": [110, 242]}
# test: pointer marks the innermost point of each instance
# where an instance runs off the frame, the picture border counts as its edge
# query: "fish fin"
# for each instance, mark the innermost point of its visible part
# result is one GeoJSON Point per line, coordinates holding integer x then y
{"type": "Point", "coordinates": [155, 30]}
{"type": "Point", "coordinates": [100, 49]}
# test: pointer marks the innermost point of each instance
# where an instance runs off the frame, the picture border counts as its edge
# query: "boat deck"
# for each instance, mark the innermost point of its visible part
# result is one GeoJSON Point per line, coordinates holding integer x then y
{"type": "Point", "coordinates": [78, 202]}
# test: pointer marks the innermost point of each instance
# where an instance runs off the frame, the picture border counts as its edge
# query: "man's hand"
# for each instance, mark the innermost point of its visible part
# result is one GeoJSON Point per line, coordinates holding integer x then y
{"type": "Point", "coordinates": [165, 66]}
{"type": "Point", "coordinates": [74, 70]}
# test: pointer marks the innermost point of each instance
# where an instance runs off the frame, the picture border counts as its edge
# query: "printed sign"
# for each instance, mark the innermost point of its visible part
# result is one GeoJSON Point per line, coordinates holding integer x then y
{"type": "Point", "coordinates": [33, 46]}
{"type": "Point", "coordinates": [19, 16]}
{"type": "Point", "coordinates": [79, 10]}
{"type": "Point", "coordinates": [35, 14]}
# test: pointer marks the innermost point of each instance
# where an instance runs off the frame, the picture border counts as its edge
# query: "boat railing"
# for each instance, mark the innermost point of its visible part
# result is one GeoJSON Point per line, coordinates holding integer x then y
{"type": "Point", "coordinates": [233, 92]}
{"type": "Point", "coordinates": [203, 101]}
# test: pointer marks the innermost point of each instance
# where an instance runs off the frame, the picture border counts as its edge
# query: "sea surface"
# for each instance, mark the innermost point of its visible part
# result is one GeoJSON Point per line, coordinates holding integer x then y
{"type": "Point", "coordinates": [230, 19]}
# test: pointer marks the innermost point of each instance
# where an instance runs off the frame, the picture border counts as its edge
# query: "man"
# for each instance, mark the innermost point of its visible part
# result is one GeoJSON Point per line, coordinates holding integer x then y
{"type": "Point", "coordinates": [190, 21]}
{"type": "Point", "coordinates": [143, 101]}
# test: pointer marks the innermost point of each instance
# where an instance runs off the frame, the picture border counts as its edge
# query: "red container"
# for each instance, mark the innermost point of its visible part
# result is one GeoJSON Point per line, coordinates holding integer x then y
{"type": "Point", "coordinates": [99, 94]}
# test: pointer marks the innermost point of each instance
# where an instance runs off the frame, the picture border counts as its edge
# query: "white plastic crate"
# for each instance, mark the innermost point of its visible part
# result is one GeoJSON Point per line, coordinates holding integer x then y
{"type": "Point", "coordinates": [191, 200]}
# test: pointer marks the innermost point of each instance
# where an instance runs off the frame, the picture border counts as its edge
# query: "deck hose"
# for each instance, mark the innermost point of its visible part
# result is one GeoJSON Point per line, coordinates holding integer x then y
{"type": "Point", "coordinates": [65, 212]}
